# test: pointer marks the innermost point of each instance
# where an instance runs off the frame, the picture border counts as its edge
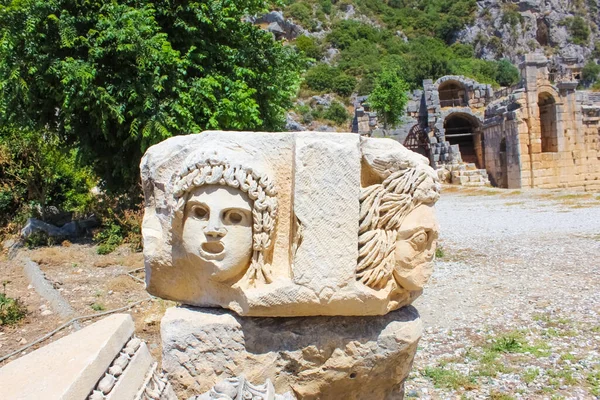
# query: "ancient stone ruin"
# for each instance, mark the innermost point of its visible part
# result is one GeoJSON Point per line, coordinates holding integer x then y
{"type": "Point", "coordinates": [295, 257]}
{"type": "Point", "coordinates": [539, 133]}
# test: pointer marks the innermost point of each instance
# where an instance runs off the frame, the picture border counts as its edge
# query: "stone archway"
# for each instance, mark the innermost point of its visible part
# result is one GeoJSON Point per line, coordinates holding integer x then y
{"type": "Point", "coordinates": [452, 93]}
{"type": "Point", "coordinates": [465, 131]}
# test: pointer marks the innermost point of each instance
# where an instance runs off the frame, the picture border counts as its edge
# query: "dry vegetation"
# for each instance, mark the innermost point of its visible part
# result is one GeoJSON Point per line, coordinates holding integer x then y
{"type": "Point", "coordinates": [91, 283]}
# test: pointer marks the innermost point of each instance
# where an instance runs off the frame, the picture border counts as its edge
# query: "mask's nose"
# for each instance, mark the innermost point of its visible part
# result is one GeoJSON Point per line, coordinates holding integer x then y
{"type": "Point", "coordinates": [215, 228]}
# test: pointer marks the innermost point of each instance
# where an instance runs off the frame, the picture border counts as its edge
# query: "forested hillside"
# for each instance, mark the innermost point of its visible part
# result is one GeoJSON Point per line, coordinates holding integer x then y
{"type": "Point", "coordinates": [430, 38]}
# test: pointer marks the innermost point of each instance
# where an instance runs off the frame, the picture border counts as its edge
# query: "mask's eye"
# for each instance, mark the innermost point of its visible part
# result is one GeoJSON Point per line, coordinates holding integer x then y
{"type": "Point", "coordinates": [419, 240]}
{"type": "Point", "coordinates": [200, 212]}
{"type": "Point", "coordinates": [234, 217]}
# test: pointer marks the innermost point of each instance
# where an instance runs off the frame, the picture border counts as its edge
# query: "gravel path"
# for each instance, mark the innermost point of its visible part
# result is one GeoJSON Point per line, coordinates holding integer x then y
{"type": "Point", "coordinates": [513, 307]}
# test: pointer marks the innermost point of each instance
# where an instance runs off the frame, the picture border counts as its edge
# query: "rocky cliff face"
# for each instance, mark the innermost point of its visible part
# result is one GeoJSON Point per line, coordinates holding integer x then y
{"type": "Point", "coordinates": [512, 28]}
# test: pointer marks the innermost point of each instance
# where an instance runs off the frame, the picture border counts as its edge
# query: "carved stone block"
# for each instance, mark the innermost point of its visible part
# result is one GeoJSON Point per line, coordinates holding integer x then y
{"type": "Point", "coordinates": [239, 388]}
{"type": "Point", "coordinates": [326, 358]}
{"type": "Point", "coordinates": [100, 362]}
{"type": "Point", "coordinates": [288, 224]}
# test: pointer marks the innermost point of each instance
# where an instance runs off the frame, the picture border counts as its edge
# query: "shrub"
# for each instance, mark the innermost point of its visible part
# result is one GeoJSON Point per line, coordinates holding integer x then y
{"type": "Point", "coordinates": [439, 252]}
{"type": "Point", "coordinates": [326, 6]}
{"type": "Point", "coordinates": [305, 112]}
{"type": "Point", "coordinates": [344, 85]}
{"type": "Point", "coordinates": [496, 43]}
{"type": "Point", "coordinates": [320, 77]}
{"type": "Point", "coordinates": [115, 77]}
{"type": "Point", "coordinates": [589, 73]}
{"type": "Point", "coordinates": [578, 28]}
{"type": "Point", "coordinates": [337, 113]}
{"type": "Point", "coordinates": [97, 307]}
{"type": "Point", "coordinates": [302, 13]}
{"type": "Point", "coordinates": [361, 57]}
{"type": "Point", "coordinates": [507, 74]}
{"type": "Point", "coordinates": [37, 239]}
{"type": "Point", "coordinates": [346, 32]}
{"type": "Point", "coordinates": [309, 46]}
{"type": "Point", "coordinates": [38, 170]}
{"type": "Point", "coordinates": [366, 85]}
{"type": "Point", "coordinates": [11, 310]}
{"type": "Point", "coordinates": [109, 238]}
{"type": "Point", "coordinates": [461, 50]}
{"type": "Point", "coordinates": [121, 223]}
{"type": "Point", "coordinates": [511, 15]}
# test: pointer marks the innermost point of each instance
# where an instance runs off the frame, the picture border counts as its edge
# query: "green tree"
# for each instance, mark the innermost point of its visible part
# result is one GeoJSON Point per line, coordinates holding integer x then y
{"type": "Point", "coordinates": [507, 74]}
{"type": "Point", "coordinates": [389, 97]}
{"type": "Point", "coordinates": [37, 170]}
{"type": "Point", "coordinates": [589, 74]}
{"type": "Point", "coordinates": [114, 78]}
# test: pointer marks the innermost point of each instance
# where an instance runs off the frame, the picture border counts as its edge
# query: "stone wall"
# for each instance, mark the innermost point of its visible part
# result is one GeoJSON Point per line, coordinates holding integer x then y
{"type": "Point", "coordinates": [502, 149]}
{"type": "Point", "coordinates": [572, 158]}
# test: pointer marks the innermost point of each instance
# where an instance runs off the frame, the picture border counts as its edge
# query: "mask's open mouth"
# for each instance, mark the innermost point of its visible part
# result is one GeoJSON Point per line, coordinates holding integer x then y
{"type": "Point", "coordinates": [213, 247]}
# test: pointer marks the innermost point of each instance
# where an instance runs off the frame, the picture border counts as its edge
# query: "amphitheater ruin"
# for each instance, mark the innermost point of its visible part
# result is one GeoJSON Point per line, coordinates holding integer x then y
{"type": "Point", "coordinates": [539, 133]}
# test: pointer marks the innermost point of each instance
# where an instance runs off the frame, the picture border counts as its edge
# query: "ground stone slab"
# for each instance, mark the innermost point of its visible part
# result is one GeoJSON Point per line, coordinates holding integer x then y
{"type": "Point", "coordinates": [312, 357]}
{"type": "Point", "coordinates": [102, 361]}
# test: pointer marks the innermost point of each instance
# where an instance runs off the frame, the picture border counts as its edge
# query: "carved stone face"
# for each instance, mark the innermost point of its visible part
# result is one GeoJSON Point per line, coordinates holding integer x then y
{"type": "Point", "coordinates": [415, 248]}
{"type": "Point", "coordinates": [217, 231]}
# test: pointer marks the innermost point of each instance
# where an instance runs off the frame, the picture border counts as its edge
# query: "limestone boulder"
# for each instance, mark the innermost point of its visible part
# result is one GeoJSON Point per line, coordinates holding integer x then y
{"type": "Point", "coordinates": [327, 358]}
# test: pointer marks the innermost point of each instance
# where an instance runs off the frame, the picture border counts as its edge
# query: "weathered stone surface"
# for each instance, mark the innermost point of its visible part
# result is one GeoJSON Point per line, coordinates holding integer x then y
{"type": "Point", "coordinates": [313, 357]}
{"type": "Point", "coordinates": [288, 224]}
{"type": "Point", "coordinates": [101, 361]}
{"type": "Point", "coordinates": [239, 388]}
{"type": "Point", "coordinates": [70, 367]}
{"type": "Point", "coordinates": [326, 210]}
{"type": "Point", "coordinates": [131, 379]}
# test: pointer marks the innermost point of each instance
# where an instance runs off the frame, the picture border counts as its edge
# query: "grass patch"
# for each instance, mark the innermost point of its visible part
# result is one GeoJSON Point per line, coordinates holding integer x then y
{"type": "Point", "coordinates": [490, 366]}
{"type": "Point", "coordinates": [97, 307]}
{"type": "Point", "coordinates": [551, 322]}
{"type": "Point", "coordinates": [567, 357]}
{"type": "Point", "coordinates": [511, 342]}
{"type": "Point", "coordinates": [482, 192]}
{"type": "Point", "coordinates": [449, 378]}
{"type": "Point", "coordinates": [530, 374]}
{"type": "Point", "coordinates": [515, 342]}
{"type": "Point", "coordinates": [495, 395]}
{"type": "Point", "coordinates": [562, 375]}
{"type": "Point", "coordinates": [593, 379]}
{"type": "Point", "coordinates": [439, 252]}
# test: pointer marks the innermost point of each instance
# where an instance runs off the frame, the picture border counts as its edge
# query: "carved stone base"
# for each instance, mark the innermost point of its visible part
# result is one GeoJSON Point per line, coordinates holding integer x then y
{"type": "Point", "coordinates": [312, 357]}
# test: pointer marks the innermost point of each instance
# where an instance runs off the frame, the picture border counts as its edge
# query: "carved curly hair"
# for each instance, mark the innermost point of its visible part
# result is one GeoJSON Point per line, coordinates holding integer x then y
{"type": "Point", "coordinates": [383, 207]}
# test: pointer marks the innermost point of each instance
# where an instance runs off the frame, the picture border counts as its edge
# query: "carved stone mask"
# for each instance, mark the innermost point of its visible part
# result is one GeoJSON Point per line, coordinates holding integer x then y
{"type": "Point", "coordinates": [217, 231]}
{"type": "Point", "coordinates": [415, 248]}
